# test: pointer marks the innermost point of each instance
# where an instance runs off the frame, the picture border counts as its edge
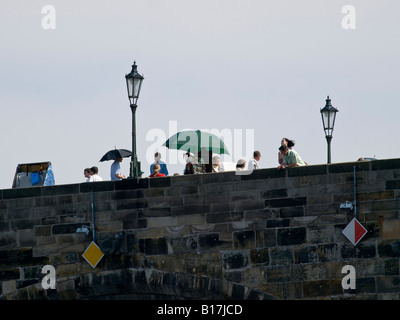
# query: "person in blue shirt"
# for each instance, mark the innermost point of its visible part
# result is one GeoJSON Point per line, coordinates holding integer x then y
{"type": "Point", "coordinates": [163, 165]}
{"type": "Point", "coordinates": [115, 171]}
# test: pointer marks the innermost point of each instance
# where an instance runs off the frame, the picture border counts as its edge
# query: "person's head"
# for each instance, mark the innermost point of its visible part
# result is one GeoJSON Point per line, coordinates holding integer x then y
{"type": "Point", "coordinates": [216, 160]}
{"type": "Point", "coordinates": [156, 168]}
{"type": "Point", "coordinates": [118, 159]}
{"type": "Point", "coordinates": [86, 173]}
{"type": "Point", "coordinates": [257, 155]}
{"type": "Point", "coordinates": [241, 164]}
{"type": "Point", "coordinates": [157, 156]}
{"type": "Point", "coordinates": [189, 157]}
{"type": "Point", "coordinates": [287, 142]}
{"type": "Point", "coordinates": [284, 149]}
{"type": "Point", "coordinates": [94, 170]}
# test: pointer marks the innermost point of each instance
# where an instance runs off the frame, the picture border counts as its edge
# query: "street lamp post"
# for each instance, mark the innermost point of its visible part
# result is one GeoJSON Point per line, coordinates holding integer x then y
{"type": "Point", "coordinates": [328, 114]}
{"type": "Point", "coordinates": [134, 83]}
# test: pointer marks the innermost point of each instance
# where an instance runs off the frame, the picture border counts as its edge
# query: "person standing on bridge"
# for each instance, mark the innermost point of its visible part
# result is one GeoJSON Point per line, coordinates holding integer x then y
{"type": "Point", "coordinates": [290, 158]}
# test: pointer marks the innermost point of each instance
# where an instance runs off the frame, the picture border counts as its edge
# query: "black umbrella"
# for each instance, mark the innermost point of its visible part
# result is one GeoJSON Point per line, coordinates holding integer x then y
{"type": "Point", "coordinates": [115, 154]}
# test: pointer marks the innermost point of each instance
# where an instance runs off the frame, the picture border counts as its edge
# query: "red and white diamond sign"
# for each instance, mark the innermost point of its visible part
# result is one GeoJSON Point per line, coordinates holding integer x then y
{"type": "Point", "coordinates": [354, 231]}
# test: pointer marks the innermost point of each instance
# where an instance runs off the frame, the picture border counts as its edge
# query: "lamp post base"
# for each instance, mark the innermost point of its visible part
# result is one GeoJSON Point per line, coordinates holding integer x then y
{"type": "Point", "coordinates": [135, 171]}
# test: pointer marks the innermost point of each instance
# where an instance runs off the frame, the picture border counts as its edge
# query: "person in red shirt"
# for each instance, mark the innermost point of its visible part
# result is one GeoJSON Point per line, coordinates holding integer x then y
{"type": "Point", "coordinates": [156, 169]}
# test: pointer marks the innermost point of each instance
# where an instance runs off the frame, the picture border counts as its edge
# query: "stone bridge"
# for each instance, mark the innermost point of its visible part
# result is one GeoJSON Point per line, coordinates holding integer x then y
{"type": "Point", "coordinates": [268, 235]}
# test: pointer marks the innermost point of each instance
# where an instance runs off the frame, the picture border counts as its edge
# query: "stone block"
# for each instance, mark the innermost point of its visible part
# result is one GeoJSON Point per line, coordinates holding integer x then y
{"type": "Point", "coordinates": [73, 209]}
{"type": "Point", "coordinates": [195, 199]}
{"type": "Point", "coordinates": [130, 184]}
{"type": "Point", "coordinates": [67, 228]}
{"type": "Point", "coordinates": [392, 184]}
{"type": "Point", "coordinates": [259, 256]}
{"type": "Point", "coordinates": [388, 248]}
{"type": "Point", "coordinates": [132, 204]}
{"type": "Point", "coordinates": [279, 274]}
{"type": "Point", "coordinates": [22, 193]}
{"type": "Point", "coordinates": [190, 179]}
{"type": "Point", "coordinates": [390, 229]}
{"type": "Point", "coordinates": [50, 220]}
{"type": "Point", "coordinates": [60, 189]}
{"type": "Point", "coordinates": [211, 241]}
{"type": "Point", "coordinates": [377, 195]}
{"type": "Point", "coordinates": [153, 246]}
{"type": "Point", "coordinates": [184, 244]}
{"type": "Point", "coordinates": [305, 254]}
{"type": "Point", "coordinates": [269, 238]}
{"type": "Point", "coordinates": [249, 205]}
{"type": "Point", "coordinates": [322, 288]}
{"type": "Point", "coordinates": [224, 217]}
{"type": "Point", "coordinates": [281, 255]}
{"type": "Point", "coordinates": [129, 194]}
{"type": "Point", "coordinates": [292, 290]}
{"type": "Point", "coordinates": [19, 213]}
{"type": "Point", "coordinates": [235, 259]}
{"type": "Point", "coordinates": [388, 164]}
{"type": "Point", "coordinates": [363, 286]}
{"type": "Point", "coordinates": [348, 167]}
{"type": "Point", "coordinates": [290, 212]}
{"type": "Point", "coordinates": [388, 284]}
{"type": "Point", "coordinates": [291, 236]}
{"type": "Point", "coordinates": [277, 223]}
{"type": "Point", "coordinates": [8, 240]}
{"type": "Point", "coordinates": [328, 252]}
{"type": "Point", "coordinates": [40, 212]}
{"type": "Point", "coordinates": [135, 224]}
{"type": "Point", "coordinates": [16, 257]}
{"type": "Point", "coordinates": [309, 272]}
{"type": "Point", "coordinates": [160, 182]}
{"type": "Point", "coordinates": [286, 202]}
{"type": "Point", "coordinates": [26, 238]}
{"type": "Point", "coordinates": [21, 224]}
{"type": "Point", "coordinates": [9, 274]}
{"type": "Point", "coordinates": [4, 226]}
{"type": "Point", "coordinates": [320, 234]}
{"type": "Point", "coordinates": [311, 170]}
{"type": "Point", "coordinates": [274, 193]}
{"type": "Point", "coordinates": [391, 267]}
{"type": "Point", "coordinates": [8, 287]}
{"type": "Point", "coordinates": [193, 209]}
{"type": "Point", "coordinates": [99, 186]}
{"type": "Point", "coordinates": [244, 239]}
{"type": "Point", "coordinates": [264, 174]}
{"type": "Point", "coordinates": [238, 291]}
{"type": "Point", "coordinates": [361, 251]}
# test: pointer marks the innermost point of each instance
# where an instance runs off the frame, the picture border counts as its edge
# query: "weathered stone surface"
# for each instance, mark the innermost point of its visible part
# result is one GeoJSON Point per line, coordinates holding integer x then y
{"type": "Point", "coordinates": [268, 235]}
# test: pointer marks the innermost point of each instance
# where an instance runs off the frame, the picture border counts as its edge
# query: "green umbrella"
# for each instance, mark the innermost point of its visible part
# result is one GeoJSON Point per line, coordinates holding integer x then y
{"type": "Point", "coordinates": [196, 141]}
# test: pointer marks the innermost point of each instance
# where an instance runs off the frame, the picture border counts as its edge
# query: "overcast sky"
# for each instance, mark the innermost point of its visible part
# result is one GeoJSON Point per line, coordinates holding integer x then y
{"type": "Point", "coordinates": [243, 68]}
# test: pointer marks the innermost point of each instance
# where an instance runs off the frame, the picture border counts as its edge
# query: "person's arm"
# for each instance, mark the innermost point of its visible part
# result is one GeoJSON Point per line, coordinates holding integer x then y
{"type": "Point", "coordinates": [280, 157]}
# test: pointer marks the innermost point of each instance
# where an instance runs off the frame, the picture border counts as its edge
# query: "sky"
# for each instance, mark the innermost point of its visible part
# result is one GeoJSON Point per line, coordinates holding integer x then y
{"type": "Point", "coordinates": [252, 71]}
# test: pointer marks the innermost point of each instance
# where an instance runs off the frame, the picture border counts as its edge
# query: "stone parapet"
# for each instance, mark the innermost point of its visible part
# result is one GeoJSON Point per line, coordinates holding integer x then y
{"type": "Point", "coordinates": [267, 235]}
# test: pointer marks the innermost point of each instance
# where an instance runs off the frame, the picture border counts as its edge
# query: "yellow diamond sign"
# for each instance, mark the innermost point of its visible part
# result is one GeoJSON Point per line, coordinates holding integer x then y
{"type": "Point", "coordinates": [93, 254]}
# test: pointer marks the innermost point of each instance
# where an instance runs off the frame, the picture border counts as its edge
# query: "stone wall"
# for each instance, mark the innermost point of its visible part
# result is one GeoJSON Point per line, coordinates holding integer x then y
{"type": "Point", "coordinates": [269, 235]}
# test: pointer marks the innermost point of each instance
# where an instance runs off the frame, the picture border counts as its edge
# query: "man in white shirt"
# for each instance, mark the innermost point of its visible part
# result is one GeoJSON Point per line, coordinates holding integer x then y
{"type": "Point", "coordinates": [94, 177]}
{"type": "Point", "coordinates": [253, 163]}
